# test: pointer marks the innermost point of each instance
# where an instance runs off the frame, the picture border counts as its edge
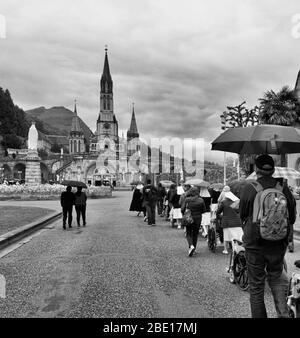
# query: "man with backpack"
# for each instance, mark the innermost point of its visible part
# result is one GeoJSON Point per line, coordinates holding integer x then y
{"type": "Point", "coordinates": [149, 201]}
{"type": "Point", "coordinates": [267, 210]}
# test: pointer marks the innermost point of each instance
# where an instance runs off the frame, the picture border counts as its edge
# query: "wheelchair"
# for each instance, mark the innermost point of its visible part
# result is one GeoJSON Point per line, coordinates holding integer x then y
{"type": "Point", "coordinates": [293, 298]}
{"type": "Point", "coordinates": [237, 266]}
{"type": "Point", "coordinates": [214, 233]}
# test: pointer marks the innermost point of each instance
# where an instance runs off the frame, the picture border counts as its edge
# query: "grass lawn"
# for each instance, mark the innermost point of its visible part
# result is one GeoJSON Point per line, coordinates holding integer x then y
{"type": "Point", "coordinates": [12, 217]}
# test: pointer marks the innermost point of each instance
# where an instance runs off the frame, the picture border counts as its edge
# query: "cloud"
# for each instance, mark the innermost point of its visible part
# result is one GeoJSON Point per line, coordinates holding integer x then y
{"type": "Point", "coordinates": [181, 63]}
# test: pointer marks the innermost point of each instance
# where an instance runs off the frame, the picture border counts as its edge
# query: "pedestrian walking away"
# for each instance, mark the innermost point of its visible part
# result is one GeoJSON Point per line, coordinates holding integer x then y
{"type": "Point", "coordinates": [196, 205]}
{"type": "Point", "coordinates": [149, 201]}
{"type": "Point", "coordinates": [161, 193]}
{"type": "Point", "coordinates": [267, 210]}
{"type": "Point", "coordinates": [137, 201]}
{"type": "Point", "coordinates": [230, 222]}
{"type": "Point", "coordinates": [67, 200]}
{"type": "Point", "coordinates": [80, 206]}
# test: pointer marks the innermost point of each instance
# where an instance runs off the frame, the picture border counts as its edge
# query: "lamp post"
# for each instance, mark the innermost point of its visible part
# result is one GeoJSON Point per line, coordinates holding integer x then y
{"type": "Point", "coordinates": [224, 127]}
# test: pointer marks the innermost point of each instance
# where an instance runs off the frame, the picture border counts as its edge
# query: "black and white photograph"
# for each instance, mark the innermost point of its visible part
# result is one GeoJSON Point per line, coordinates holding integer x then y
{"type": "Point", "coordinates": [149, 162]}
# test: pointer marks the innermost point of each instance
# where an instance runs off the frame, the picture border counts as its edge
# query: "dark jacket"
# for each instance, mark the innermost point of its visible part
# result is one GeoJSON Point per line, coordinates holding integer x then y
{"type": "Point", "coordinates": [149, 194]}
{"type": "Point", "coordinates": [136, 203]}
{"type": "Point", "coordinates": [161, 193]}
{"type": "Point", "coordinates": [80, 199]}
{"type": "Point", "coordinates": [207, 201]}
{"type": "Point", "coordinates": [215, 195]}
{"type": "Point", "coordinates": [174, 200]}
{"type": "Point", "coordinates": [67, 199]}
{"type": "Point", "coordinates": [197, 207]}
{"type": "Point", "coordinates": [230, 218]}
{"type": "Point", "coordinates": [251, 236]}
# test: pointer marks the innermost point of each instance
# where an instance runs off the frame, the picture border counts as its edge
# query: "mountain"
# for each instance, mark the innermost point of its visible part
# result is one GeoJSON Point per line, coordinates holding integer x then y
{"type": "Point", "coordinates": [56, 120]}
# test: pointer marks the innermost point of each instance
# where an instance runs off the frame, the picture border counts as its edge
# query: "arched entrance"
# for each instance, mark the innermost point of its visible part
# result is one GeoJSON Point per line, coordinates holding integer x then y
{"type": "Point", "coordinates": [19, 171]}
{"type": "Point", "coordinates": [7, 173]}
{"type": "Point", "coordinates": [44, 173]}
{"type": "Point", "coordinates": [89, 175]}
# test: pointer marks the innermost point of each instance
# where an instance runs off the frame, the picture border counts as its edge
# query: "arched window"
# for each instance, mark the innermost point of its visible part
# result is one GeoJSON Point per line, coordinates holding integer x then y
{"type": "Point", "coordinates": [79, 148]}
{"type": "Point", "coordinates": [75, 146]}
{"type": "Point", "coordinates": [104, 102]}
{"type": "Point", "coordinates": [71, 147]}
{"type": "Point", "coordinates": [108, 103]}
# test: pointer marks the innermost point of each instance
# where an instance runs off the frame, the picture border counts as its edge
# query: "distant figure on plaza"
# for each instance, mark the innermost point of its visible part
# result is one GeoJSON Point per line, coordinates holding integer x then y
{"type": "Point", "coordinates": [80, 206]}
{"type": "Point", "coordinates": [67, 200]}
{"type": "Point", "coordinates": [161, 194]}
{"type": "Point", "coordinates": [149, 201]}
{"type": "Point", "coordinates": [196, 205]}
{"type": "Point", "coordinates": [137, 201]}
{"type": "Point", "coordinates": [266, 236]}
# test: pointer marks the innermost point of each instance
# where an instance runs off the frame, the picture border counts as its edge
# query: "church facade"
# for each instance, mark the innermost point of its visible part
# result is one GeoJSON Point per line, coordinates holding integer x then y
{"type": "Point", "coordinates": [104, 157]}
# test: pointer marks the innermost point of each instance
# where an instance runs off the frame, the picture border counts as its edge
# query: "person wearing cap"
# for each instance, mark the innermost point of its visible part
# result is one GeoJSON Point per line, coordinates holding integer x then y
{"type": "Point", "coordinates": [231, 222]}
{"type": "Point", "coordinates": [265, 259]}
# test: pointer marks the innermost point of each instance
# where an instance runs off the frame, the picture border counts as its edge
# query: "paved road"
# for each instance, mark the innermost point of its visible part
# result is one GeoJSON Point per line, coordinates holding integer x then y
{"type": "Point", "coordinates": [119, 267]}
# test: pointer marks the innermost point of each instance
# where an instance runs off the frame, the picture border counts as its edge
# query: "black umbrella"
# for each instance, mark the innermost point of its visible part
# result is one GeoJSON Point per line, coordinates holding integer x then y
{"type": "Point", "coordinates": [237, 186]}
{"type": "Point", "coordinates": [74, 183]}
{"type": "Point", "coordinates": [261, 139]}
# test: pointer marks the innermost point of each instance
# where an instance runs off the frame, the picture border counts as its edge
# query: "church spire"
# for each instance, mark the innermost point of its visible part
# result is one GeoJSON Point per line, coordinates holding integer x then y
{"type": "Point", "coordinates": [297, 87]}
{"type": "Point", "coordinates": [106, 80]}
{"type": "Point", "coordinates": [133, 130]}
{"type": "Point", "coordinates": [75, 128]}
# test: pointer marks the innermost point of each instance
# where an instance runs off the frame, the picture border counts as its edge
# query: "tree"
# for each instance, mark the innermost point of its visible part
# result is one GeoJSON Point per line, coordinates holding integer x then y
{"type": "Point", "coordinates": [42, 153]}
{"type": "Point", "coordinates": [55, 148]}
{"type": "Point", "coordinates": [280, 108]}
{"type": "Point", "coordinates": [240, 117]}
{"type": "Point", "coordinates": [11, 141]}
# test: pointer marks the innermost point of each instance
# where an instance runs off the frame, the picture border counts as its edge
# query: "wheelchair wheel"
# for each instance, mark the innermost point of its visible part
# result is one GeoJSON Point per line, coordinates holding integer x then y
{"type": "Point", "coordinates": [240, 271]}
{"type": "Point", "coordinates": [211, 236]}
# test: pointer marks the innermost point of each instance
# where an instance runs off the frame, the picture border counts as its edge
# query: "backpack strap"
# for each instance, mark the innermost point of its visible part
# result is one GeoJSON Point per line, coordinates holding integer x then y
{"type": "Point", "coordinates": [279, 187]}
{"type": "Point", "coordinates": [256, 205]}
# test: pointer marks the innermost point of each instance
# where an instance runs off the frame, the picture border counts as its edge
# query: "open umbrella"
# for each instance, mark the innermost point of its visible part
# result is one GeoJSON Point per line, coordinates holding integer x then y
{"type": "Point", "coordinates": [217, 186]}
{"type": "Point", "coordinates": [198, 182]}
{"type": "Point", "coordinates": [261, 139]}
{"type": "Point", "coordinates": [237, 186]}
{"type": "Point", "coordinates": [74, 184]}
{"type": "Point", "coordinates": [166, 183]}
{"type": "Point", "coordinates": [288, 173]}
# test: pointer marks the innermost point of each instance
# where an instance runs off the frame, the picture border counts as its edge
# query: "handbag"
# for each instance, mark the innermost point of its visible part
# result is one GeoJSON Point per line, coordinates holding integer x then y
{"type": "Point", "coordinates": [187, 218]}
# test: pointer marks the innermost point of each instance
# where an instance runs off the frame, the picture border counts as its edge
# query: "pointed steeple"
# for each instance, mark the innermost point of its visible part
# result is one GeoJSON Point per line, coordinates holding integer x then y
{"type": "Point", "coordinates": [297, 87]}
{"type": "Point", "coordinates": [106, 80]}
{"type": "Point", "coordinates": [133, 130]}
{"type": "Point", "coordinates": [75, 128]}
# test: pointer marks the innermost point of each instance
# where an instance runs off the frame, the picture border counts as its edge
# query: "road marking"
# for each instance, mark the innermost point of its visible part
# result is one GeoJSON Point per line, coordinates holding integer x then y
{"type": "Point", "coordinates": [2, 287]}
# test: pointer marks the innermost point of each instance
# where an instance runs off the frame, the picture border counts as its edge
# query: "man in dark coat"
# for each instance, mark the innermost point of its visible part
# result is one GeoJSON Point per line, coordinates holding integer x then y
{"type": "Point", "coordinates": [265, 258]}
{"type": "Point", "coordinates": [149, 201]}
{"type": "Point", "coordinates": [67, 200]}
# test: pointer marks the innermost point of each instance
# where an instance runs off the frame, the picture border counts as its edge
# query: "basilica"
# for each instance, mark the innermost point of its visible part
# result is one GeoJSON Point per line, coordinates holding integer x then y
{"type": "Point", "coordinates": [103, 157]}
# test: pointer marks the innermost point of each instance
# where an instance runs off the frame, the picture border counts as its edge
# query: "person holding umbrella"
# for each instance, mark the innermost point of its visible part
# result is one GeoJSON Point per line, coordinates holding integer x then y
{"type": "Point", "coordinates": [80, 206]}
{"type": "Point", "coordinates": [67, 200]}
{"type": "Point", "coordinates": [265, 250]}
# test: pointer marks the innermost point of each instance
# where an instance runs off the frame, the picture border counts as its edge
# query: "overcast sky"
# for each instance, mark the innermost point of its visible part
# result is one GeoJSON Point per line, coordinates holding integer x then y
{"type": "Point", "coordinates": [181, 62]}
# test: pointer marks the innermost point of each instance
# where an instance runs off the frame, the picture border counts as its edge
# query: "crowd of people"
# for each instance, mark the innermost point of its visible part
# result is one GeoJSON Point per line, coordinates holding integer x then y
{"type": "Point", "coordinates": [262, 217]}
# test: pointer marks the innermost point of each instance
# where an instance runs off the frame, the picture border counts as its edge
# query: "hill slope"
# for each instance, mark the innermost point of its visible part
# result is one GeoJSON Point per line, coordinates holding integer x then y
{"type": "Point", "coordinates": [56, 120]}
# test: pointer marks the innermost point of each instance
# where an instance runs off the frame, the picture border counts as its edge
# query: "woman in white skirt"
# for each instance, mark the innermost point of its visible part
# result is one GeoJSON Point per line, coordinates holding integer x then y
{"type": "Point", "coordinates": [175, 213]}
{"type": "Point", "coordinates": [231, 222]}
{"type": "Point", "coordinates": [205, 195]}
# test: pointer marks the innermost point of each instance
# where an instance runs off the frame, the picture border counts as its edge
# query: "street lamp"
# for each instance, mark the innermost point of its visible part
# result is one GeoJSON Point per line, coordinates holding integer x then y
{"type": "Point", "coordinates": [224, 127]}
